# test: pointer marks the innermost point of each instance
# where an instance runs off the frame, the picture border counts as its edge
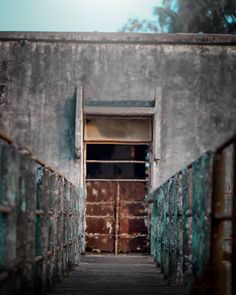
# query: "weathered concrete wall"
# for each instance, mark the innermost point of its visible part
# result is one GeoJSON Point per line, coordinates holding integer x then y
{"type": "Point", "coordinates": [195, 73]}
{"type": "Point", "coordinates": [199, 103]}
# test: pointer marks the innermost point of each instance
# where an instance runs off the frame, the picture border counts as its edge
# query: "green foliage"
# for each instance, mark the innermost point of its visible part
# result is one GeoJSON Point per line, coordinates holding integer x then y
{"type": "Point", "coordinates": [189, 16]}
{"type": "Point", "coordinates": [135, 25]}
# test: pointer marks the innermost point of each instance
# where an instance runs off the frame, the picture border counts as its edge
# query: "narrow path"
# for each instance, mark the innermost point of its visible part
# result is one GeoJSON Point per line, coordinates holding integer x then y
{"type": "Point", "coordinates": [117, 275]}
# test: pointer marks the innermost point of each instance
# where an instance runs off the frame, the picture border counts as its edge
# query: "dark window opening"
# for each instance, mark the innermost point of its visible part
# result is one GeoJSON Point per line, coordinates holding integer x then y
{"type": "Point", "coordinates": [117, 152]}
{"type": "Point", "coordinates": [116, 171]}
{"type": "Point", "coordinates": [115, 161]}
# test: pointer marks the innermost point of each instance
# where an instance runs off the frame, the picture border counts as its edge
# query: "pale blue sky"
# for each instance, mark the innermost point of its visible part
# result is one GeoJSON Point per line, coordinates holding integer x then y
{"type": "Point", "coordinates": [72, 15]}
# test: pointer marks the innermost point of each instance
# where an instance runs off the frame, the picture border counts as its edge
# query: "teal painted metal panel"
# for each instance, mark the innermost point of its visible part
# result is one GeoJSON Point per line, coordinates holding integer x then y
{"type": "Point", "coordinates": [166, 231]}
{"type": "Point", "coordinates": [38, 221]}
{"type": "Point", "coordinates": [45, 220]}
{"type": "Point", "coordinates": [2, 226]}
{"type": "Point", "coordinates": [184, 220]}
{"type": "Point", "coordinates": [201, 193]}
{"type": "Point", "coordinates": [154, 227]}
{"type": "Point", "coordinates": [180, 222]}
{"type": "Point", "coordinates": [1, 215]}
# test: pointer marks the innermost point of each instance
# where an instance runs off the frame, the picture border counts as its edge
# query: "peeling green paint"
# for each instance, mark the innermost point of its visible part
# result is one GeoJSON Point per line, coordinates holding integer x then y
{"type": "Point", "coordinates": [55, 232]}
{"type": "Point", "coordinates": [38, 221]}
{"type": "Point", "coordinates": [166, 238]}
{"type": "Point", "coordinates": [38, 236]}
{"type": "Point", "coordinates": [178, 249]}
{"type": "Point", "coordinates": [22, 201]}
{"type": "Point", "coordinates": [201, 179]}
{"type": "Point", "coordinates": [184, 219]}
{"type": "Point", "coordinates": [1, 216]}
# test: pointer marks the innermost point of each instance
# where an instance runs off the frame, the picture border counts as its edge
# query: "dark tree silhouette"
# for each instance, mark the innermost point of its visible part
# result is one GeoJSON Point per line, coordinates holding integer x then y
{"type": "Point", "coordinates": [189, 16]}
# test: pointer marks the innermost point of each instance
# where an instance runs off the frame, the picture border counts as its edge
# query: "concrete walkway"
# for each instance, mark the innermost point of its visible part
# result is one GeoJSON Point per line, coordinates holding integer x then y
{"type": "Point", "coordinates": [117, 275]}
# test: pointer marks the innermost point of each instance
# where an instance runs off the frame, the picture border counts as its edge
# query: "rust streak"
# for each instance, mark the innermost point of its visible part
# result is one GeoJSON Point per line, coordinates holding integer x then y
{"type": "Point", "coordinates": [38, 258]}
{"type": "Point", "coordinates": [234, 224]}
{"type": "Point", "coordinates": [39, 212]}
{"type": "Point", "coordinates": [5, 209]}
{"type": "Point", "coordinates": [218, 227]}
{"type": "Point", "coordinates": [4, 275]}
{"type": "Point", "coordinates": [6, 138]}
{"type": "Point", "coordinates": [117, 219]}
{"type": "Point", "coordinates": [50, 253]}
{"type": "Point", "coordinates": [50, 212]}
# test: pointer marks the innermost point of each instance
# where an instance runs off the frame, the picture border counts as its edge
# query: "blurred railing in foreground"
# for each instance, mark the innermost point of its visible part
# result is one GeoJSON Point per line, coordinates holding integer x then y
{"type": "Point", "coordinates": [193, 224]}
{"type": "Point", "coordinates": [41, 223]}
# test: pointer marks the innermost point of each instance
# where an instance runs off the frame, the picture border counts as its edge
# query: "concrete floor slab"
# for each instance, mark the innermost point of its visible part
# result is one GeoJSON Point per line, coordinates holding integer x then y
{"type": "Point", "coordinates": [117, 275]}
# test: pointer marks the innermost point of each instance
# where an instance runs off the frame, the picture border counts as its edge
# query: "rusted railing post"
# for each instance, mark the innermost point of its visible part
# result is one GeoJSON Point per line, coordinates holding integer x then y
{"type": "Point", "coordinates": [60, 248]}
{"type": "Point", "coordinates": [45, 191]}
{"type": "Point", "coordinates": [26, 224]}
{"type": "Point", "coordinates": [217, 253]}
{"type": "Point", "coordinates": [166, 231]}
{"type": "Point", "coordinates": [233, 277]}
{"type": "Point", "coordinates": [9, 198]}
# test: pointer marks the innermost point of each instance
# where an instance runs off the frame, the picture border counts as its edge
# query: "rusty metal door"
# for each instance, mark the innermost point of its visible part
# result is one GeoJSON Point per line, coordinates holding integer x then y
{"type": "Point", "coordinates": [117, 152]}
{"type": "Point", "coordinates": [100, 216]}
{"type": "Point", "coordinates": [132, 232]}
{"type": "Point", "coordinates": [116, 217]}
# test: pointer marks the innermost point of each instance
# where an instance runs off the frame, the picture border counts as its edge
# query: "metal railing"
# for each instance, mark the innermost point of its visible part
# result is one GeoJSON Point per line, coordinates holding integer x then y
{"type": "Point", "coordinates": [41, 223]}
{"type": "Point", "coordinates": [193, 226]}
{"type": "Point", "coordinates": [223, 235]}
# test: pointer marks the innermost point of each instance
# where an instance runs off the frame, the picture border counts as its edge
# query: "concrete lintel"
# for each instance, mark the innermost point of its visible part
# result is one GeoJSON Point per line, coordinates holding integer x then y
{"type": "Point", "coordinates": [119, 38]}
{"type": "Point", "coordinates": [111, 111]}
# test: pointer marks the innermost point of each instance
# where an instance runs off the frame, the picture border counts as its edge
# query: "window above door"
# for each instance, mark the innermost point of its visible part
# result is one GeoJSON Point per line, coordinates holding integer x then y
{"type": "Point", "coordinates": [118, 129]}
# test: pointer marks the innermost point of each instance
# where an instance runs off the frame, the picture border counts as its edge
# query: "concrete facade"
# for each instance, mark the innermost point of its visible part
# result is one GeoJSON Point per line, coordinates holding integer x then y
{"type": "Point", "coordinates": [194, 75]}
